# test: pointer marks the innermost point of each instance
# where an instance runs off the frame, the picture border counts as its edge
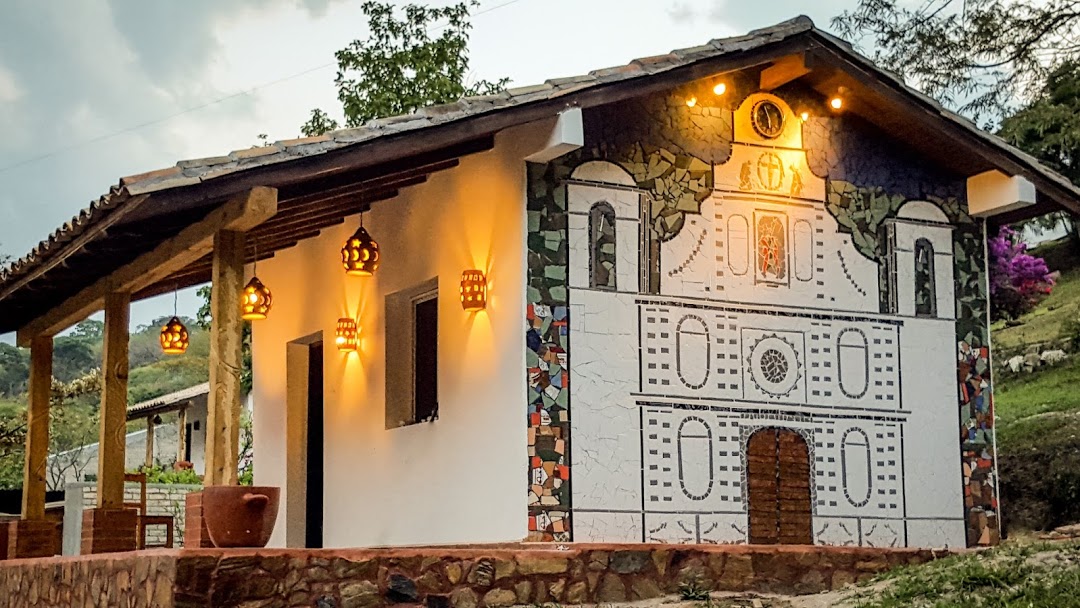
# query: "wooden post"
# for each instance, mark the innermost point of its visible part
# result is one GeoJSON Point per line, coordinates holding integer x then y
{"type": "Point", "coordinates": [37, 431]}
{"type": "Point", "coordinates": [149, 441]}
{"type": "Point", "coordinates": [114, 369]}
{"type": "Point", "coordinates": [181, 430]}
{"type": "Point", "coordinates": [226, 332]}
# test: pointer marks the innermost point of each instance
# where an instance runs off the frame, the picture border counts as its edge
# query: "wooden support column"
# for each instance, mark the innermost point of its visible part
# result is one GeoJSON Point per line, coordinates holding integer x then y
{"type": "Point", "coordinates": [37, 428]}
{"type": "Point", "coordinates": [150, 429]}
{"type": "Point", "coordinates": [226, 330]}
{"type": "Point", "coordinates": [114, 370]}
{"type": "Point", "coordinates": [181, 432]}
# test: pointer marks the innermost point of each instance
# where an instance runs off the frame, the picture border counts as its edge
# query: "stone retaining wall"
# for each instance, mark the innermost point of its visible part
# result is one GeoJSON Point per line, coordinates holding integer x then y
{"type": "Point", "coordinates": [474, 577]}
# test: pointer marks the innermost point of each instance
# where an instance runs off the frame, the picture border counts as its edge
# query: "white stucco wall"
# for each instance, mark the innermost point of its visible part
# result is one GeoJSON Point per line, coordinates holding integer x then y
{"type": "Point", "coordinates": [459, 479]}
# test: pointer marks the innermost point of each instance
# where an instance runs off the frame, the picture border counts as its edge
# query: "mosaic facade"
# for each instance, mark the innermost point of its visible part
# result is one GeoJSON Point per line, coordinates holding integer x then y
{"type": "Point", "coordinates": [728, 273]}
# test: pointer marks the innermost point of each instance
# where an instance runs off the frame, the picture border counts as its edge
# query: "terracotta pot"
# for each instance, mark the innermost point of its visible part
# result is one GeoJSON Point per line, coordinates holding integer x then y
{"type": "Point", "coordinates": [240, 516]}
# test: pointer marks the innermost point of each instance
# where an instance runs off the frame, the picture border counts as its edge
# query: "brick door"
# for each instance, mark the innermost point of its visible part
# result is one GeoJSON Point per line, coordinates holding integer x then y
{"type": "Point", "coordinates": [778, 476]}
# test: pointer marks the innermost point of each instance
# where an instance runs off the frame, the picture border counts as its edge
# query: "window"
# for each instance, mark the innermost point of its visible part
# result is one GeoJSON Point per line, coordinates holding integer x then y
{"type": "Point", "coordinates": [412, 355]}
{"type": "Point", "coordinates": [426, 359]}
{"type": "Point", "coordinates": [602, 246]}
{"type": "Point", "coordinates": [925, 289]}
{"type": "Point", "coordinates": [771, 249]}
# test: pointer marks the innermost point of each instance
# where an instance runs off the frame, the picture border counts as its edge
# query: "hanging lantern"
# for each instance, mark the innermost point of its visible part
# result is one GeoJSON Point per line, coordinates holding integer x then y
{"type": "Point", "coordinates": [255, 300]}
{"type": "Point", "coordinates": [174, 337]}
{"type": "Point", "coordinates": [360, 255]}
{"type": "Point", "coordinates": [473, 290]}
{"type": "Point", "coordinates": [346, 335]}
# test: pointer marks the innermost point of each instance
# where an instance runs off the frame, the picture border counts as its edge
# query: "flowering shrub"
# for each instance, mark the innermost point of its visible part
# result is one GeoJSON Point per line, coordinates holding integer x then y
{"type": "Point", "coordinates": [1018, 281]}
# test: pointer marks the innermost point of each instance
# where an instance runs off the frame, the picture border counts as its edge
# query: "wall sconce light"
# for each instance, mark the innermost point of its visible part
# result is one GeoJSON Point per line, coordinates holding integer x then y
{"type": "Point", "coordinates": [805, 116]}
{"type": "Point", "coordinates": [360, 255]}
{"type": "Point", "coordinates": [256, 300]}
{"type": "Point", "coordinates": [346, 335]}
{"type": "Point", "coordinates": [174, 337]}
{"type": "Point", "coordinates": [691, 102]}
{"type": "Point", "coordinates": [836, 103]}
{"type": "Point", "coordinates": [473, 290]}
{"type": "Point", "coordinates": [720, 88]}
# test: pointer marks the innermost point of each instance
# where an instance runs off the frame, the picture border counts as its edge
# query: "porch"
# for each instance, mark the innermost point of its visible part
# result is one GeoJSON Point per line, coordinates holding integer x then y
{"type": "Point", "coordinates": [438, 577]}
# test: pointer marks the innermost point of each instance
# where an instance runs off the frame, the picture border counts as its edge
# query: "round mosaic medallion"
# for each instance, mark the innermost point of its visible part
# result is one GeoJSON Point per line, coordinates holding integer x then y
{"type": "Point", "coordinates": [774, 366]}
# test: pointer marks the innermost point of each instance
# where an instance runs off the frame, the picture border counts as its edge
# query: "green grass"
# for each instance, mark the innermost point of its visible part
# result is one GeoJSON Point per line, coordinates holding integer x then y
{"type": "Point", "coordinates": [1013, 575]}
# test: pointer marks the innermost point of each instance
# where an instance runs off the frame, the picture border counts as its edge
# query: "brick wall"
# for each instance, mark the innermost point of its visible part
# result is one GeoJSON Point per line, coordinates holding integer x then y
{"type": "Point", "coordinates": [161, 499]}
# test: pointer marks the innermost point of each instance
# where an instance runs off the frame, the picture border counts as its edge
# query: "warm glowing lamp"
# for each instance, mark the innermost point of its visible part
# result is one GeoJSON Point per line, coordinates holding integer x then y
{"type": "Point", "coordinates": [691, 102]}
{"type": "Point", "coordinates": [473, 290]}
{"type": "Point", "coordinates": [174, 337]}
{"type": "Point", "coordinates": [255, 300]}
{"type": "Point", "coordinates": [837, 103]}
{"type": "Point", "coordinates": [720, 88]}
{"type": "Point", "coordinates": [805, 116]}
{"type": "Point", "coordinates": [346, 335]}
{"type": "Point", "coordinates": [360, 254]}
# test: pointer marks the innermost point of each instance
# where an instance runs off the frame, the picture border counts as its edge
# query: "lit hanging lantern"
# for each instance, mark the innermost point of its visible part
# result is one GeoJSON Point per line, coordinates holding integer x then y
{"type": "Point", "coordinates": [360, 255]}
{"type": "Point", "coordinates": [473, 290]}
{"type": "Point", "coordinates": [174, 337]}
{"type": "Point", "coordinates": [255, 300]}
{"type": "Point", "coordinates": [346, 335]}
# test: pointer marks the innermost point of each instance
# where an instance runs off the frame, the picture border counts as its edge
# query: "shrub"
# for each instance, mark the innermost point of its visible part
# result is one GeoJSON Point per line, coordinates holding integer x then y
{"type": "Point", "coordinates": [1018, 280]}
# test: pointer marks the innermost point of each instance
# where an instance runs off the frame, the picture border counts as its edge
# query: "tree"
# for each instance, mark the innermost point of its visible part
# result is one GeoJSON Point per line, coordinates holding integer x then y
{"type": "Point", "coordinates": [1048, 128]}
{"type": "Point", "coordinates": [400, 67]}
{"type": "Point", "coordinates": [1018, 280]}
{"type": "Point", "coordinates": [14, 370]}
{"type": "Point", "coordinates": [979, 56]}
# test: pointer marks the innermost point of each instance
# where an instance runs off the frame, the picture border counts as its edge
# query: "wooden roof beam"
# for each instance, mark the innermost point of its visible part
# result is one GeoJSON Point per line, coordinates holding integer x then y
{"type": "Point", "coordinates": [784, 70]}
{"type": "Point", "coordinates": [241, 213]}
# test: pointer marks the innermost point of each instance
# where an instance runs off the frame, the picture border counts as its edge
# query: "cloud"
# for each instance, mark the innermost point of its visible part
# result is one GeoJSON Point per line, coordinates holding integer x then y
{"type": "Point", "coordinates": [9, 89]}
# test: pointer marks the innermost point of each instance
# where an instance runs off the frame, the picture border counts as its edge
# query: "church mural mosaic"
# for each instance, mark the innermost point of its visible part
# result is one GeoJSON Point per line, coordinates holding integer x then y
{"type": "Point", "coordinates": [737, 294]}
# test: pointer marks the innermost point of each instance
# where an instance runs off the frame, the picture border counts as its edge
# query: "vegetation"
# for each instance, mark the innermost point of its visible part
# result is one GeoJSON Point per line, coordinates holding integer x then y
{"type": "Point", "coordinates": [73, 419]}
{"type": "Point", "coordinates": [1018, 280]}
{"type": "Point", "coordinates": [1013, 575]}
{"type": "Point", "coordinates": [401, 67]}
{"type": "Point", "coordinates": [1038, 413]}
{"type": "Point", "coordinates": [984, 57]}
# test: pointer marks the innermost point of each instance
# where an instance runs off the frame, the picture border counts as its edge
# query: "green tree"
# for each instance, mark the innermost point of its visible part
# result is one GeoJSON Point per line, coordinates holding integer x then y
{"type": "Point", "coordinates": [1048, 128]}
{"type": "Point", "coordinates": [401, 67]}
{"type": "Point", "coordinates": [980, 56]}
{"type": "Point", "coordinates": [14, 370]}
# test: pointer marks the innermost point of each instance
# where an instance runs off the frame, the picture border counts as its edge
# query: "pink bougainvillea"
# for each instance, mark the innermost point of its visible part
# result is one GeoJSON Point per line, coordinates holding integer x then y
{"type": "Point", "coordinates": [1018, 280]}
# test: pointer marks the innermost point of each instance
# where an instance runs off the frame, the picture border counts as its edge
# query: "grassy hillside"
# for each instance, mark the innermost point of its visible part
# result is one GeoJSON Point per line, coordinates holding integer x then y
{"type": "Point", "coordinates": [1038, 414]}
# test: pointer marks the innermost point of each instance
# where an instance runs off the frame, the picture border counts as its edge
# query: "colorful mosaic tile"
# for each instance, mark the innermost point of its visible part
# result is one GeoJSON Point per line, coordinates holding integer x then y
{"type": "Point", "coordinates": [977, 441]}
{"type": "Point", "coordinates": [548, 422]}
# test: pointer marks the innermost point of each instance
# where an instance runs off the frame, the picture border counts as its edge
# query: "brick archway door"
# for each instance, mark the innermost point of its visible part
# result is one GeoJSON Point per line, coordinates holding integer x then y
{"type": "Point", "coordinates": [778, 476]}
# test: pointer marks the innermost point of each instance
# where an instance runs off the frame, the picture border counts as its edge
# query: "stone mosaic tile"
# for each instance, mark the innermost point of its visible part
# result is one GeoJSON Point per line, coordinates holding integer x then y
{"type": "Point", "coordinates": [977, 441]}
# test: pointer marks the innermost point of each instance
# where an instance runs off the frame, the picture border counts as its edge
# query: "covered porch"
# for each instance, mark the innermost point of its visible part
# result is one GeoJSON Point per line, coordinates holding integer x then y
{"type": "Point", "coordinates": [158, 232]}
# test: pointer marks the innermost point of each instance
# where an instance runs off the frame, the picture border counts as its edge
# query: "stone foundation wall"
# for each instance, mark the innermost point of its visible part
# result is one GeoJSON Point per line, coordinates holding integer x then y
{"type": "Point", "coordinates": [473, 577]}
{"type": "Point", "coordinates": [146, 581]}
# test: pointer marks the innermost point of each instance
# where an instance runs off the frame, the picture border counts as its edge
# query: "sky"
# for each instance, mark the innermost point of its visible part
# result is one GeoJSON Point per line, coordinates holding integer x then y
{"type": "Point", "coordinates": [93, 90]}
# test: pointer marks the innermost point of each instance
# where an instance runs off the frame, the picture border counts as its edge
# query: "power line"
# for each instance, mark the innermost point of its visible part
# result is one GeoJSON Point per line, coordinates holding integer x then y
{"type": "Point", "coordinates": [150, 123]}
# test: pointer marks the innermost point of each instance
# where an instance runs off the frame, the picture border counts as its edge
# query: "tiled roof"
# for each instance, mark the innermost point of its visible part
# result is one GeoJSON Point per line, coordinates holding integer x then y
{"type": "Point", "coordinates": [201, 170]}
{"type": "Point", "coordinates": [180, 396]}
{"type": "Point", "coordinates": [194, 171]}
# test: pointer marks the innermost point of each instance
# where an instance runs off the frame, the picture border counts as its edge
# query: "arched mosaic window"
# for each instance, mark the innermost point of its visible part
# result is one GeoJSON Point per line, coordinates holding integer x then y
{"type": "Point", "coordinates": [602, 246]}
{"type": "Point", "coordinates": [771, 248]}
{"type": "Point", "coordinates": [925, 289]}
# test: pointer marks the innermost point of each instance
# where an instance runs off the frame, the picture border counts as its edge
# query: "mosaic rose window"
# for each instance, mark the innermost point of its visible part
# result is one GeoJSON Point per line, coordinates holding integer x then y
{"type": "Point", "coordinates": [602, 243]}
{"type": "Point", "coordinates": [771, 248]}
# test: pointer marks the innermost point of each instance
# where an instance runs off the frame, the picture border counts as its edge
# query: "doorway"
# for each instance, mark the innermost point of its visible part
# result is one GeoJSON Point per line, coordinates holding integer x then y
{"type": "Point", "coordinates": [778, 479]}
{"type": "Point", "coordinates": [313, 528]}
